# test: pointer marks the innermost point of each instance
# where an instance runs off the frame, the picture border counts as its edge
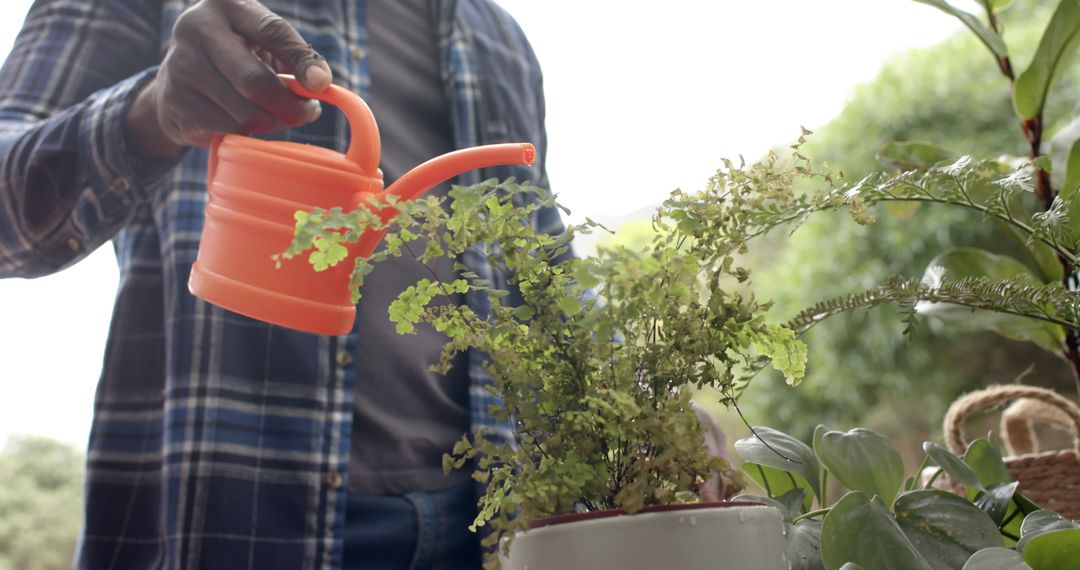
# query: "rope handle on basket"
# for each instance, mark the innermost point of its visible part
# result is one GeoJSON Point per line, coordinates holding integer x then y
{"type": "Point", "coordinates": [967, 404]}
{"type": "Point", "coordinates": [1018, 424]}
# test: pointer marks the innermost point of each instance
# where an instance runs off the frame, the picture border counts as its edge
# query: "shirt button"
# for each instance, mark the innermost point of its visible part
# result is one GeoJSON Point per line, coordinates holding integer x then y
{"type": "Point", "coordinates": [334, 480]}
{"type": "Point", "coordinates": [357, 52]}
{"type": "Point", "coordinates": [73, 244]}
{"type": "Point", "coordinates": [344, 358]}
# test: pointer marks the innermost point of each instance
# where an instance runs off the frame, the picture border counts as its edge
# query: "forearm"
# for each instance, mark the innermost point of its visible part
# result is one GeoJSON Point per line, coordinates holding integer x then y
{"type": "Point", "coordinates": [69, 183]}
{"type": "Point", "coordinates": [67, 180]}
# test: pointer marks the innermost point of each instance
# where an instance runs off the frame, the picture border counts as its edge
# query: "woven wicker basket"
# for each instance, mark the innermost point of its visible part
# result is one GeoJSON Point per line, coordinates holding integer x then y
{"type": "Point", "coordinates": [1050, 478]}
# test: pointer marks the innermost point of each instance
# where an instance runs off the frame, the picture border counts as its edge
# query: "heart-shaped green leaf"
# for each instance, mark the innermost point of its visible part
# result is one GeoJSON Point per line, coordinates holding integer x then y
{"type": "Point", "coordinates": [987, 463]}
{"type": "Point", "coordinates": [964, 262]}
{"type": "Point", "coordinates": [954, 467]}
{"type": "Point", "coordinates": [1054, 550]}
{"type": "Point", "coordinates": [987, 36]}
{"type": "Point", "coordinates": [944, 528]}
{"type": "Point", "coordinates": [863, 461]}
{"type": "Point", "coordinates": [804, 545]}
{"type": "Point", "coordinates": [861, 530]}
{"type": "Point", "coordinates": [791, 504]}
{"type": "Point", "coordinates": [996, 500]}
{"type": "Point", "coordinates": [1058, 41]}
{"type": "Point", "coordinates": [776, 449]}
{"type": "Point", "coordinates": [996, 558]}
{"type": "Point", "coordinates": [1041, 522]}
{"type": "Point", "coordinates": [777, 483]}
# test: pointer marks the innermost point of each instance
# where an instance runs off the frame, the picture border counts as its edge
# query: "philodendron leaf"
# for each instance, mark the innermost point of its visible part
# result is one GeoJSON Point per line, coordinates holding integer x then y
{"type": "Point", "coordinates": [987, 463]}
{"type": "Point", "coordinates": [776, 449]}
{"type": "Point", "coordinates": [944, 528]}
{"type": "Point", "coordinates": [1054, 550]}
{"type": "Point", "coordinates": [779, 483]}
{"type": "Point", "coordinates": [1041, 522]}
{"type": "Point", "coordinates": [860, 529]}
{"type": "Point", "coordinates": [1058, 41]}
{"type": "Point", "coordinates": [996, 558]}
{"type": "Point", "coordinates": [985, 34]}
{"type": "Point", "coordinates": [954, 467]}
{"type": "Point", "coordinates": [963, 262]}
{"type": "Point", "coordinates": [804, 545]}
{"type": "Point", "coordinates": [863, 461]}
{"type": "Point", "coordinates": [914, 155]}
{"type": "Point", "coordinates": [996, 500]}
{"type": "Point", "coordinates": [791, 504]}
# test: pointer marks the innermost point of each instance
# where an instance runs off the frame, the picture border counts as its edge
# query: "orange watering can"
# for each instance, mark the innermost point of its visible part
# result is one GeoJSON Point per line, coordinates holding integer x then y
{"type": "Point", "coordinates": [256, 186]}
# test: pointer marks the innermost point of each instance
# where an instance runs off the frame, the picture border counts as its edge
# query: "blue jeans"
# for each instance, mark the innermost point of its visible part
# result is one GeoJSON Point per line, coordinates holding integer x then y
{"type": "Point", "coordinates": [417, 531]}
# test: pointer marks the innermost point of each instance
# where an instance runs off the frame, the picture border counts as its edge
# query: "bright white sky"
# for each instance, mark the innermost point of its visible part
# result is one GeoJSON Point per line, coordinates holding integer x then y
{"type": "Point", "coordinates": [640, 101]}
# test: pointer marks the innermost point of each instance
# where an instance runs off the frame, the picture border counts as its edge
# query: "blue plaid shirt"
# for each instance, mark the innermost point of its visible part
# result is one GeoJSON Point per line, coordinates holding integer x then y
{"type": "Point", "coordinates": [218, 441]}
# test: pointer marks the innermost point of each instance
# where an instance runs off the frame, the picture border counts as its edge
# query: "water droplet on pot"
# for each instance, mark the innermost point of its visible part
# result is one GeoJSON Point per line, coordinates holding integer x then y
{"type": "Point", "coordinates": [742, 517]}
{"type": "Point", "coordinates": [682, 520]}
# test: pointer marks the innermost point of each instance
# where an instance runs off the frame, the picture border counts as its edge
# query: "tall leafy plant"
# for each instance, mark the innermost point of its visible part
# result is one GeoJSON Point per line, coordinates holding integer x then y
{"type": "Point", "coordinates": [593, 358]}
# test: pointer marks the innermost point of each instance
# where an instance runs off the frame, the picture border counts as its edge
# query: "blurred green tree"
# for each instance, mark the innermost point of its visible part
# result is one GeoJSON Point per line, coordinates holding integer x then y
{"type": "Point", "coordinates": [861, 370]}
{"type": "Point", "coordinates": [40, 503]}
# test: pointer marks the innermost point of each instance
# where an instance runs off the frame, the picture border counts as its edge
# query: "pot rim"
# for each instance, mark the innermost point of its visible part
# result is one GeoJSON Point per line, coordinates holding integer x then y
{"type": "Point", "coordinates": [609, 513]}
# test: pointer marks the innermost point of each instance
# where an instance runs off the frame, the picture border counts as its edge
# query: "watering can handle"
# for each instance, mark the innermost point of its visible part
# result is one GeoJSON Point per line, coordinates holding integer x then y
{"type": "Point", "coordinates": [364, 146]}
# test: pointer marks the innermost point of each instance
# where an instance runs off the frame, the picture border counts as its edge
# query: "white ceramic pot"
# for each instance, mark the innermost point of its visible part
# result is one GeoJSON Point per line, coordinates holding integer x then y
{"type": "Point", "coordinates": [688, 537]}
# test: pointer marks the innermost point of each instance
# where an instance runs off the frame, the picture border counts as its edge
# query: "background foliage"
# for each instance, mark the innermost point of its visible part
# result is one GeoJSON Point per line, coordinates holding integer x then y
{"type": "Point", "coordinates": [861, 369]}
{"type": "Point", "coordinates": [40, 503]}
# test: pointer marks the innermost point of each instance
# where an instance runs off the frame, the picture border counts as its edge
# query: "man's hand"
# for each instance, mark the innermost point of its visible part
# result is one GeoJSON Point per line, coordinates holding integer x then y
{"type": "Point", "coordinates": [219, 76]}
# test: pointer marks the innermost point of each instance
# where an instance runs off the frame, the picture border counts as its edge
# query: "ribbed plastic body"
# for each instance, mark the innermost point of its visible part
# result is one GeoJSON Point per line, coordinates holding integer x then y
{"type": "Point", "coordinates": [255, 189]}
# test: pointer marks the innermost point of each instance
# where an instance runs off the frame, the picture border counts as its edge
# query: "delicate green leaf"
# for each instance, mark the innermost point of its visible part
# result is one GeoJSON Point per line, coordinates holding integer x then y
{"type": "Point", "coordinates": [965, 262]}
{"type": "Point", "coordinates": [780, 451]}
{"type": "Point", "coordinates": [954, 467]}
{"type": "Point", "coordinates": [570, 305]}
{"type": "Point", "coordinates": [861, 529]}
{"type": "Point", "coordinates": [987, 36]}
{"type": "Point", "coordinates": [996, 558]}
{"type": "Point", "coordinates": [804, 545]}
{"type": "Point", "coordinates": [944, 528]}
{"type": "Point", "coordinates": [1058, 42]}
{"type": "Point", "coordinates": [863, 461]}
{"type": "Point", "coordinates": [787, 352]}
{"type": "Point", "coordinates": [1054, 550]}
{"type": "Point", "coordinates": [914, 155]}
{"type": "Point", "coordinates": [523, 313]}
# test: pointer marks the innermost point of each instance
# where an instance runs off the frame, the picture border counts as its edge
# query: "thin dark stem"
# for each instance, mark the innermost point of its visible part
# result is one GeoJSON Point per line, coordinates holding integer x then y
{"type": "Point", "coordinates": [755, 433]}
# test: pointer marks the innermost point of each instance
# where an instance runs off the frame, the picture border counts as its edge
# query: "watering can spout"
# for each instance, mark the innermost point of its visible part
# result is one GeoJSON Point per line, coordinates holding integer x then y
{"type": "Point", "coordinates": [423, 178]}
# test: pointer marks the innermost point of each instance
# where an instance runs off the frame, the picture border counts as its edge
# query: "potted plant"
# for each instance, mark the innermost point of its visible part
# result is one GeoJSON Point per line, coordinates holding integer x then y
{"type": "Point", "coordinates": [887, 521]}
{"type": "Point", "coordinates": [594, 358]}
{"type": "Point", "coordinates": [595, 362]}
